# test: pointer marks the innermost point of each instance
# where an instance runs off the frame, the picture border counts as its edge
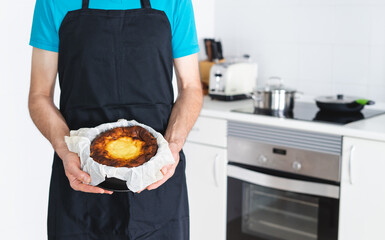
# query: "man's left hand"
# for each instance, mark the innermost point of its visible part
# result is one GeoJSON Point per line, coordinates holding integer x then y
{"type": "Point", "coordinates": [169, 170]}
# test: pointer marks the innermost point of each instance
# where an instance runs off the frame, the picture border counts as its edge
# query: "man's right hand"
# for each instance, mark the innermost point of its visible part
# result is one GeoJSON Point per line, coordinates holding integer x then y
{"type": "Point", "coordinates": [78, 179]}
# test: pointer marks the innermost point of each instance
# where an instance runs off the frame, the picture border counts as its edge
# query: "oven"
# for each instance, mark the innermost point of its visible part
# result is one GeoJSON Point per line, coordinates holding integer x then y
{"type": "Point", "coordinates": [282, 184]}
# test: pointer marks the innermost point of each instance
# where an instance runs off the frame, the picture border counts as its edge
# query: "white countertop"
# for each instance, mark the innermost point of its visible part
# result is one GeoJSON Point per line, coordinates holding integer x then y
{"type": "Point", "coordinates": [372, 128]}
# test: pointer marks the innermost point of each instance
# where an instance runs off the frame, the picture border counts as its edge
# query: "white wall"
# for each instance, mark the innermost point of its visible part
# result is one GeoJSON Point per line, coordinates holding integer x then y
{"type": "Point", "coordinates": [204, 20]}
{"type": "Point", "coordinates": [320, 47]}
{"type": "Point", "coordinates": [25, 156]}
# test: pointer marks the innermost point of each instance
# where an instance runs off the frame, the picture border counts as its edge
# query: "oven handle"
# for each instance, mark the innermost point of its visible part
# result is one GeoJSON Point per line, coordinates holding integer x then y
{"type": "Point", "coordinates": [298, 186]}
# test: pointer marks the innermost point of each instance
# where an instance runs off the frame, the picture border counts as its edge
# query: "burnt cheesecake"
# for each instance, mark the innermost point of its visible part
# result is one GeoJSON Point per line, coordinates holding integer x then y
{"type": "Point", "coordinates": [124, 147]}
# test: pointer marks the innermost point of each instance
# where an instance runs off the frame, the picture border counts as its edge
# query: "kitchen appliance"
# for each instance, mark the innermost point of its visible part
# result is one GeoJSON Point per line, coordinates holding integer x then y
{"type": "Point", "coordinates": [307, 111]}
{"type": "Point", "coordinates": [283, 184]}
{"type": "Point", "coordinates": [274, 97]}
{"type": "Point", "coordinates": [232, 80]}
{"type": "Point", "coordinates": [214, 54]}
{"type": "Point", "coordinates": [342, 104]}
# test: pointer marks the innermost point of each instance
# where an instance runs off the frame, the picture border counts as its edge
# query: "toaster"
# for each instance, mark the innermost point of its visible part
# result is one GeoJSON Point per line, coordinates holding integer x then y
{"type": "Point", "coordinates": [232, 80]}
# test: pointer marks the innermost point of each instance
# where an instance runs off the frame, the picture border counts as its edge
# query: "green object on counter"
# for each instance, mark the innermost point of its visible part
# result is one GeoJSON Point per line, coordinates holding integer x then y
{"type": "Point", "coordinates": [362, 101]}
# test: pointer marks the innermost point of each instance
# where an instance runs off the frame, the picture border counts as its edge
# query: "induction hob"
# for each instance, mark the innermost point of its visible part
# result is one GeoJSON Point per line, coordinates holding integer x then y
{"type": "Point", "coordinates": [310, 112]}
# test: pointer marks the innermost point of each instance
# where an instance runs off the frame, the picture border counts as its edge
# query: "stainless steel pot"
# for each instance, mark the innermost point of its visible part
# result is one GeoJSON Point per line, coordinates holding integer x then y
{"type": "Point", "coordinates": [274, 97]}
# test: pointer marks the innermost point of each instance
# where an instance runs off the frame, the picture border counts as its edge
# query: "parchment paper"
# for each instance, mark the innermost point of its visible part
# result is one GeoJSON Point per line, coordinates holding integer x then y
{"type": "Point", "coordinates": [137, 178]}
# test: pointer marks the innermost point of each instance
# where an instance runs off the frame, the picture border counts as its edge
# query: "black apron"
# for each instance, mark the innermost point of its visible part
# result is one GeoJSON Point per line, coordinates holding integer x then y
{"type": "Point", "coordinates": [116, 64]}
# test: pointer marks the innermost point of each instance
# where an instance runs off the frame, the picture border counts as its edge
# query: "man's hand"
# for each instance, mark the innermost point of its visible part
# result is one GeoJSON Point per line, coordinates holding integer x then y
{"type": "Point", "coordinates": [169, 170]}
{"type": "Point", "coordinates": [78, 179]}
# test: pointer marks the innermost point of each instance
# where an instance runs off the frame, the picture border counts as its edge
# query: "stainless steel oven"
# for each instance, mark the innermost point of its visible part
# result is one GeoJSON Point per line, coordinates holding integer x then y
{"type": "Point", "coordinates": [282, 184]}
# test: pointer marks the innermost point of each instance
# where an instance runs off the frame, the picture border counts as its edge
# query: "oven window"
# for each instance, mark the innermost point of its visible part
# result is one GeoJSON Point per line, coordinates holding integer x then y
{"type": "Point", "coordinates": [256, 212]}
{"type": "Point", "coordinates": [278, 214]}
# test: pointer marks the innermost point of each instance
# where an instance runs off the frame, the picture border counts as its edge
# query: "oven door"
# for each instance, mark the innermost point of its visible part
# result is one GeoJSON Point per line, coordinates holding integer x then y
{"type": "Point", "coordinates": [262, 206]}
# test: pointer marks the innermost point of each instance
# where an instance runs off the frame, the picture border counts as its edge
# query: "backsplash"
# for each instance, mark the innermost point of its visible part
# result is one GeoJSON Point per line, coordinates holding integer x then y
{"type": "Point", "coordinates": [319, 47]}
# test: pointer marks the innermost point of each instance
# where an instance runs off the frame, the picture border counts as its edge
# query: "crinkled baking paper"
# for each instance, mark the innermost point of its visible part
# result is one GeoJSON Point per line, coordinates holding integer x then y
{"type": "Point", "coordinates": [137, 178]}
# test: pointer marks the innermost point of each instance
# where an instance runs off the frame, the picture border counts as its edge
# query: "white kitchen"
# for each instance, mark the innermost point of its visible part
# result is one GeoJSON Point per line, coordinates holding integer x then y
{"type": "Point", "coordinates": [289, 144]}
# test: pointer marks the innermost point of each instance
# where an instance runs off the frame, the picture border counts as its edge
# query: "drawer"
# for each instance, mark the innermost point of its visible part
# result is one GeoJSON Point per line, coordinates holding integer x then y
{"type": "Point", "coordinates": [209, 131]}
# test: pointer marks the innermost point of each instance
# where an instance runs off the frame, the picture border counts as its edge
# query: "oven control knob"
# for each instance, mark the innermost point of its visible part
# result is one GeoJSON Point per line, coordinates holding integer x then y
{"type": "Point", "coordinates": [297, 165]}
{"type": "Point", "coordinates": [262, 159]}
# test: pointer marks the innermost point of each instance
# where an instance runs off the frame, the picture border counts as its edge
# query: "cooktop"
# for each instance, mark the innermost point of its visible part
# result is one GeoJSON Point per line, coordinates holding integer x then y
{"type": "Point", "coordinates": [310, 112]}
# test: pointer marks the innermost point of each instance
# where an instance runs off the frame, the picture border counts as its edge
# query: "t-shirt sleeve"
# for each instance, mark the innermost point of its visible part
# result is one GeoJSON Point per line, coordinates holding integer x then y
{"type": "Point", "coordinates": [184, 38]}
{"type": "Point", "coordinates": [44, 34]}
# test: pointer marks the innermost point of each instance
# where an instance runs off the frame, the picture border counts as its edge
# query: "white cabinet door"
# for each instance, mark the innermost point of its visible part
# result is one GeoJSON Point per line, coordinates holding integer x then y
{"type": "Point", "coordinates": [206, 182]}
{"type": "Point", "coordinates": [362, 203]}
{"type": "Point", "coordinates": [210, 131]}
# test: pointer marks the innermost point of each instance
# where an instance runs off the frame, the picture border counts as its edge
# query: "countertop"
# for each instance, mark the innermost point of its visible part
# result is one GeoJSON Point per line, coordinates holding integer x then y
{"type": "Point", "coordinates": [372, 128]}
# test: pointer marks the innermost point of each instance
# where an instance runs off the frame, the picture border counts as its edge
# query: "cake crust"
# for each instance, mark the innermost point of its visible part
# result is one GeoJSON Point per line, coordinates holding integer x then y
{"type": "Point", "coordinates": [124, 147]}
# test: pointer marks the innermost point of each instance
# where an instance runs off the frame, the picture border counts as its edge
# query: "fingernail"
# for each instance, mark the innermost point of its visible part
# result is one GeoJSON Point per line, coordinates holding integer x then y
{"type": "Point", "coordinates": [87, 180]}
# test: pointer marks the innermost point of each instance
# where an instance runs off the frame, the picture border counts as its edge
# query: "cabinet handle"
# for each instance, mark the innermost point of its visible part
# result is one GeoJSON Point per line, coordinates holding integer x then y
{"type": "Point", "coordinates": [351, 164]}
{"type": "Point", "coordinates": [216, 180]}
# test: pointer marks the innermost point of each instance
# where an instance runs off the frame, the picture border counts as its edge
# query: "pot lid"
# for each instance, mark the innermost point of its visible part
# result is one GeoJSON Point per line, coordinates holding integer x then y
{"type": "Point", "coordinates": [339, 98]}
{"type": "Point", "coordinates": [275, 84]}
{"type": "Point", "coordinates": [275, 88]}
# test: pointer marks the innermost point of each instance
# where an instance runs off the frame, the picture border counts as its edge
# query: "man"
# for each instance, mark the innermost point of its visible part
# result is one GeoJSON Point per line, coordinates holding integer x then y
{"type": "Point", "coordinates": [115, 64]}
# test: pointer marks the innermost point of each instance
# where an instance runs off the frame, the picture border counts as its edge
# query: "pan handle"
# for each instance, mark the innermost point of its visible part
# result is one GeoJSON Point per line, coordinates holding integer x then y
{"type": "Point", "coordinates": [365, 102]}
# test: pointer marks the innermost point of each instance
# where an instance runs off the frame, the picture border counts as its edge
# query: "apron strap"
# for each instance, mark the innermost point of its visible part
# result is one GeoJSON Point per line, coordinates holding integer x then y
{"type": "Point", "coordinates": [145, 3]}
{"type": "Point", "coordinates": [85, 4]}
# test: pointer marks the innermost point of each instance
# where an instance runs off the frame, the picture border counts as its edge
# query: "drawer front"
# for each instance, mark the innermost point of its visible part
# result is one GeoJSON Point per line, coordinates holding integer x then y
{"type": "Point", "coordinates": [210, 131]}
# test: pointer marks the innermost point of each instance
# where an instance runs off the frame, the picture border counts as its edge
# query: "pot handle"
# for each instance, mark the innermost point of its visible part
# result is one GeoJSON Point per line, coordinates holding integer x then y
{"type": "Point", "coordinates": [254, 97]}
{"type": "Point", "coordinates": [298, 93]}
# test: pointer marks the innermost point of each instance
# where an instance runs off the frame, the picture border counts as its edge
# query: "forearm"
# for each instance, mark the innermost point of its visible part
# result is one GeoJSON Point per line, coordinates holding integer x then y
{"type": "Point", "coordinates": [49, 121]}
{"type": "Point", "coordinates": [183, 116]}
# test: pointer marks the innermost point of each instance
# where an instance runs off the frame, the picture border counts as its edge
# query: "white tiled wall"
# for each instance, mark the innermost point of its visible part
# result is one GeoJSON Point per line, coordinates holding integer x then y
{"type": "Point", "coordinates": [320, 47]}
{"type": "Point", "coordinates": [204, 21]}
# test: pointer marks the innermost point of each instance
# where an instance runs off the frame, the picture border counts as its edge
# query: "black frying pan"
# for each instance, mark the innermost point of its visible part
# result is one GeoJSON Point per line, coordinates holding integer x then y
{"type": "Point", "coordinates": [114, 184]}
{"type": "Point", "coordinates": [341, 104]}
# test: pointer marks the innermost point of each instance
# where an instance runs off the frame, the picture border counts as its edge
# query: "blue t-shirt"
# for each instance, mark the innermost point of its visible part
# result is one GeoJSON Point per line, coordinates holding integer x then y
{"type": "Point", "coordinates": [49, 14]}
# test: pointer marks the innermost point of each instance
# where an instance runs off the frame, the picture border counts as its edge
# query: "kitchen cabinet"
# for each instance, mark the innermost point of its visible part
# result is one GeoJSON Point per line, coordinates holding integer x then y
{"type": "Point", "coordinates": [362, 197]}
{"type": "Point", "coordinates": [206, 161]}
